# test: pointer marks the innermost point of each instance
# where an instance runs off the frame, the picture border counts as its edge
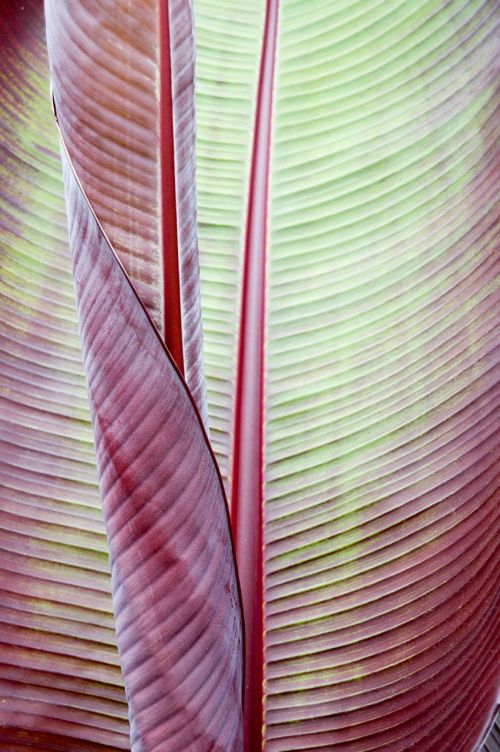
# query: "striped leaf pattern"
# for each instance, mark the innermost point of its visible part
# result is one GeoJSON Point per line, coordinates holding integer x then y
{"type": "Point", "coordinates": [378, 555]}
{"type": "Point", "coordinates": [176, 602]}
{"type": "Point", "coordinates": [60, 682]}
{"type": "Point", "coordinates": [175, 595]}
{"type": "Point", "coordinates": [348, 219]}
{"type": "Point", "coordinates": [227, 55]}
{"type": "Point", "coordinates": [122, 79]}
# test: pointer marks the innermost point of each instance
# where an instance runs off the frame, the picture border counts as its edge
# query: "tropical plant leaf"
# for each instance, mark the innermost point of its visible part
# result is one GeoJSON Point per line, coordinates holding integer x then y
{"type": "Point", "coordinates": [60, 682]}
{"type": "Point", "coordinates": [175, 595]}
{"type": "Point", "coordinates": [176, 599]}
{"type": "Point", "coordinates": [113, 64]}
{"type": "Point", "coordinates": [360, 396]}
{"type": "Point", "coordinates": [365, 336]}
{"type": "Point", "coordinates": [227, 49]}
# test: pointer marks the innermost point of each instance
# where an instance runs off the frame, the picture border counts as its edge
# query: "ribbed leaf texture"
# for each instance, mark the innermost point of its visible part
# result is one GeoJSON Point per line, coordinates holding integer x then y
{"type": "Point", "coordinates": [176, 601]}
{"type": "Point", "coordinates": [60, 682]}
{"type": "Point", "coordinates": [346, 171]}
{"type": "Point", "coordinates": [175, 597]}
{"type": "Point", "coordinates": [175, 594]}
{"type": "Point", "coordinates": [122, 73]}
{"type": "Point", "coordinates": [360, 394]}
{"type": "Point", "coordinates": [228, 37]}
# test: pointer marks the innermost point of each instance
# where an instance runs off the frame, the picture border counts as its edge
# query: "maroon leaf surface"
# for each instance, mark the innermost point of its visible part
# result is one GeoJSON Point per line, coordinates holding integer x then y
{"type": "Point", "coordinates": [60, 682]}
{"type": "Point", "coordinates": [174, 588]}
{"type": "Point", "coordinates": [122, 77]}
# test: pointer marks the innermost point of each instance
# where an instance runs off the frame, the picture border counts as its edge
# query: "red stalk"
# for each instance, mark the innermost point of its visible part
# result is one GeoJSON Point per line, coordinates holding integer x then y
{"type": "Point", "coordinates": [168, 206]}
{"type": "Point", "coordinates": [247, 473]}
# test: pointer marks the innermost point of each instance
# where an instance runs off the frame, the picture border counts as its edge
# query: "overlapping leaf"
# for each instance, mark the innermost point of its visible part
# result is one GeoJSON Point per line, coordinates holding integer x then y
{"type": "Point", "coordinates": [122, 73]}
{"type": "Point", "coordinates": [492, 743]}
{"type": "Point", "coordinates": [60, 682]}
{"type": "Point", "coordinates": [361, 407]}
{"type": "Point", "coordinates": [176, 599]}
{"type": "Point", "coordinates": [379, 487]}
{"type": "Point", "coordinates": [176, 603]}
{"type": "Point", "coordinates": [227, 55]}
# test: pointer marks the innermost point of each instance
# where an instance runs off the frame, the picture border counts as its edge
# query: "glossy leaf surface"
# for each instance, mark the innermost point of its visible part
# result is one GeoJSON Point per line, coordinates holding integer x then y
{"type": "Point", "coordinates": [359, 399]}
{"type": "Point", "coordinates": [60, 682]}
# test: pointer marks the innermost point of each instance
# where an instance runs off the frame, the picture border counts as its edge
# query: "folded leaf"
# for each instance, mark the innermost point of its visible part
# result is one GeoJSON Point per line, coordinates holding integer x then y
{"type": "Point", "coordinates": [175, 596]}
{"type": "Point", "coordinates": [122, 77]}
{"type": "Point", "coordinates": [60, 681]}
{"type": "Point", "coordinates": [360, 396]}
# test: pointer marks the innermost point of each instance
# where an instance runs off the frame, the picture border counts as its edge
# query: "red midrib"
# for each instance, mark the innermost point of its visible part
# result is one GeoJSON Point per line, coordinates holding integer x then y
{"type": "Point", "coordinates": [246, 477]}
{"type": "Point", "coordinates": [172, 320]}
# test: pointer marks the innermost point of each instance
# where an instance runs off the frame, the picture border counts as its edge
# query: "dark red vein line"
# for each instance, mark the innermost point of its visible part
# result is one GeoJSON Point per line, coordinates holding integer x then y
{"type": "Point", "coordinates": [146, 313]}
{"type": "Point", "coordinates": [172, 319]}
{"type": "Point", "coordinates": [247, 472]}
